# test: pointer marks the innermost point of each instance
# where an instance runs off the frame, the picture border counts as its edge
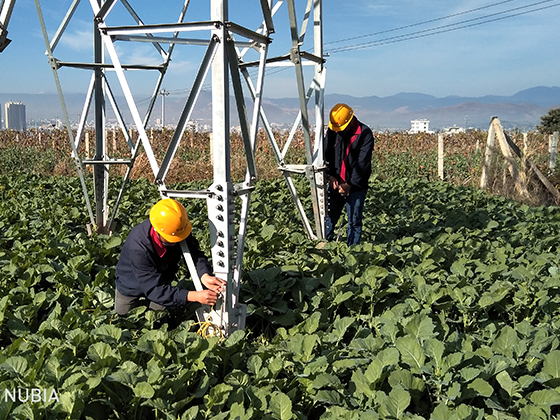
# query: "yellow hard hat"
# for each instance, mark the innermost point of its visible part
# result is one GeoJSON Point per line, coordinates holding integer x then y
{"type": "Point", "coordinates": [169, 218]}
{"type": "Point", "coordinates": [341, 115]}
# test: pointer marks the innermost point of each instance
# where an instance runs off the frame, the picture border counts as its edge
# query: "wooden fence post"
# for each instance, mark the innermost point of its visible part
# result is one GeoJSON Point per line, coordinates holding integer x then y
{"type": "Point", "coordinates": [490, 146]}
{"type": "Point", "coordinates": [506, 151]}
{"type": "Point", "coordinates": [440, 155]}
{"type": "Point", "coordinates": [553, 150]}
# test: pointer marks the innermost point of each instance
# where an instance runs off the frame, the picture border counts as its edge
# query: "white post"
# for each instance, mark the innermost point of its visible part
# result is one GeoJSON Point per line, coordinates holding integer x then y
{"type": "Point", "coordinates": [163, 94]}
{"type": "Point", "coordinates": [553, 149]}
{"type": "Point", "coordinates": [440, 155]}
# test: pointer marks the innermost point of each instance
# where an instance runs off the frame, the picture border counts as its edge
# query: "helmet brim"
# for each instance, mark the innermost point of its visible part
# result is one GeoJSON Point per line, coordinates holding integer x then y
{"type": "Point", "coordinates": [179, 236]}
{"type": "Point", "coordinates": [336, 127]}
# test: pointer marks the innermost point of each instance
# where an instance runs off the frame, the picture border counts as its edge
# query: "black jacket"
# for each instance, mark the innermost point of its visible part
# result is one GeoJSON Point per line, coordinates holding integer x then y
{"type": "Point", "coordinates": [358, 168]}
{"type": "Point", "coordinates": [141, 272]}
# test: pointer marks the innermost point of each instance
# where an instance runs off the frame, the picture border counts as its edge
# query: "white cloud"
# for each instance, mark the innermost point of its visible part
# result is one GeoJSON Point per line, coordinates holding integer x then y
{"type": "Point", "coordinates": [135, 53]}
{"type": "Point", "coordinates": [80, 39]}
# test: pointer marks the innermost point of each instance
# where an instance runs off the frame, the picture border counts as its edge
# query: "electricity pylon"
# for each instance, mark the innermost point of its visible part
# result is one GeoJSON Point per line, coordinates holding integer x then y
{"type": "Point", "coordinates": [227, 48]}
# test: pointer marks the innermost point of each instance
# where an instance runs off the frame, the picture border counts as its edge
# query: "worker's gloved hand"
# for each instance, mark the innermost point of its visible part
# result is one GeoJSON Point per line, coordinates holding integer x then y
{"type": "Point", "coordinates": [334, 182]}
{"type": "Point", "coordinates": [344, 189]}
{"type": "Point", "coordinates": [206, 297]}
{"type": "Point", "coordinates": [213, 283]}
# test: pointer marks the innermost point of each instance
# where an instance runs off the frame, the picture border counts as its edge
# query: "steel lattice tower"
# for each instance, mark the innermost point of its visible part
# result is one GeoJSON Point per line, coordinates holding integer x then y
{"type": "Point", "coordinates": [227, 46]}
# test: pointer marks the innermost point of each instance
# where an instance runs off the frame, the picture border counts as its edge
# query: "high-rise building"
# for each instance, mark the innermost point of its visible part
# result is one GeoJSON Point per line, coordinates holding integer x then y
{"type": "Point", "coordinates": [15, 116]}
{"type": "Point", "coordinates": [1, 121]}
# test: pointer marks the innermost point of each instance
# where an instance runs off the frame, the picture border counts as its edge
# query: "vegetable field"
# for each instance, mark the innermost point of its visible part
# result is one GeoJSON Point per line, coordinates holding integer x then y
{"type": "Point", "coordinates": [449, 309]}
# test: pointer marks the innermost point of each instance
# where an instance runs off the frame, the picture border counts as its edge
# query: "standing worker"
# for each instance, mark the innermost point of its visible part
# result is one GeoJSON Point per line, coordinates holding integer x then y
{"type": "Point", "coordinates": [348, 148]}
{"type": "Point", "coordinates": [149, 262]}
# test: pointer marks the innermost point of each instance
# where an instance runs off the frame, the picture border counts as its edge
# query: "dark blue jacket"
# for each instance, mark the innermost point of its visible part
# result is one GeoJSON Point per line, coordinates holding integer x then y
{"type": "Point", "coordinates": [141, 272]}
{"type": "Point", "coordinates": [359, 156]}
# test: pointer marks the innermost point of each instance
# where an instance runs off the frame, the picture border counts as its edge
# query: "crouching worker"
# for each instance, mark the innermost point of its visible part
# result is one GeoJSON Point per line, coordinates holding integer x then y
{"type": "Point", "coordinates": [149, 262]}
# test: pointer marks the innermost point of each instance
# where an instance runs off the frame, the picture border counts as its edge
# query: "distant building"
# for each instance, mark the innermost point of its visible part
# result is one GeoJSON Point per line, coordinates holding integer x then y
{"type": "Point", "coordinates": [454, 130]}
{"type": "Point", "coordinates": [15, 116]}
{"type": "Point", "coordinates": [419, 126]}
{"type": "Point", "coordinates": [1, 120]}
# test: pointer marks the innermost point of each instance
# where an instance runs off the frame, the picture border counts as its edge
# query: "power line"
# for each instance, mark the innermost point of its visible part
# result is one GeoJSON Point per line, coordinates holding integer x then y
{"type": "Point", "coordinates": [446, 28]}
{"type": "Point", "coordinates": [419, 23]}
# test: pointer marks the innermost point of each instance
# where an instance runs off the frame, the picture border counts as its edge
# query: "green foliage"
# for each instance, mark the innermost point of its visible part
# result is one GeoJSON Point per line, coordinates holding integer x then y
{"type": "Point", "coordinates": [448, 309]}
{"type": "Point", "coordinates": [18, 159]}
{"type": "Point", "coordinates": [550, 122]}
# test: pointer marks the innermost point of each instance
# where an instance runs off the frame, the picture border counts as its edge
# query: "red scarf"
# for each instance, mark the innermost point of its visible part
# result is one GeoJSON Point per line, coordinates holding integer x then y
{"type": "Point", "coordinates": [357, 132]}
{"type": "Point", "coordinates": [160, 249]}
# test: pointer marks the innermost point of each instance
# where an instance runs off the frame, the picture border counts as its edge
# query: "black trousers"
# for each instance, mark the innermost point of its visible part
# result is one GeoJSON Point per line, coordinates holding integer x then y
{"type": "Point", "coordinates": [123, 303]}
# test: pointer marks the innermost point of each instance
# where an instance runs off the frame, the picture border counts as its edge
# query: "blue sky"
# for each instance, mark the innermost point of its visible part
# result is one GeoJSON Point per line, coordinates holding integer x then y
{"type": "Point", "coordinates": [438, 47]}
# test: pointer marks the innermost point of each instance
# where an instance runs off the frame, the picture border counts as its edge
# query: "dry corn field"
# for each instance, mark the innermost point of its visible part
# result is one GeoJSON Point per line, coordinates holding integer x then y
{"type": "Point", "coordinates": [396, 155]}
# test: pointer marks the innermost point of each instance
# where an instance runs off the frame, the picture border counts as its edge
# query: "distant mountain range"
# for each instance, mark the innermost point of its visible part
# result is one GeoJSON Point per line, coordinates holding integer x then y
{"type": "Point", "coordinates": [522, 110]}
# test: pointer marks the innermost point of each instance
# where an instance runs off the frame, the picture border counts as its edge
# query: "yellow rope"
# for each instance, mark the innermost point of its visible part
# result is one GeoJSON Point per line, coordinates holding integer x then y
{"type": "Point", "coordinates": [205, 326]}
